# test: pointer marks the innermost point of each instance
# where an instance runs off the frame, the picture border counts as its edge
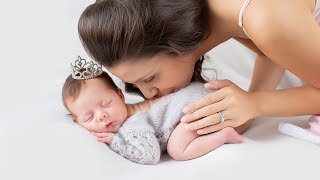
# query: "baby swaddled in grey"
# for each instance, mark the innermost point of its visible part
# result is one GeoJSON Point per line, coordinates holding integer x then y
{"type": "Point", "coordinates": [144, 136]}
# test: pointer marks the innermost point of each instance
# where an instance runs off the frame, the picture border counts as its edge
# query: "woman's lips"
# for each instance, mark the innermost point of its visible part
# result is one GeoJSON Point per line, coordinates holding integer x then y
{"type": "Point", "coordinates": [175, 90]}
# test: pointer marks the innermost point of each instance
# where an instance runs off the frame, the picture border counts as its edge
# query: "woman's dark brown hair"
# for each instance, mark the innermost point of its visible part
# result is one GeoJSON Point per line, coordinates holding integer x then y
{"type": "Point", "coordinates": [113, 31]}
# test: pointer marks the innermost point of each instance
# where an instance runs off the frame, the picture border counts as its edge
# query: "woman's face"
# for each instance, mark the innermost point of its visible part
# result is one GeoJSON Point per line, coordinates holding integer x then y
{"type": "Point", "coordinates": [159, 75]}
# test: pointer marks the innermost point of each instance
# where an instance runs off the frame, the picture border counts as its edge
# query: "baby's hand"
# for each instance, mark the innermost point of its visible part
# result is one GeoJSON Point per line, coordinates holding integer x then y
{"type": "Point", "coordinates": [104, 137]}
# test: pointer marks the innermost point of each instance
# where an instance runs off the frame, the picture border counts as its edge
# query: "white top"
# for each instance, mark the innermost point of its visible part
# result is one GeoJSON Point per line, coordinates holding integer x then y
{"type": "Point", "coordinates": [316, 13]}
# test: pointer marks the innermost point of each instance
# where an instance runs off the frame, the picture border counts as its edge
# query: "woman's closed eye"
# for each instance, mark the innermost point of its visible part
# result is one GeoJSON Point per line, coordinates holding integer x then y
{"type": "Point", "coordinates": [150, 79]}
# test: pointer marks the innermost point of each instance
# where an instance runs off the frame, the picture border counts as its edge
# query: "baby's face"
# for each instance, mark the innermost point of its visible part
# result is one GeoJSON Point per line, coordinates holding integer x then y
{"type": "Point", "coordinates": [99, 108]}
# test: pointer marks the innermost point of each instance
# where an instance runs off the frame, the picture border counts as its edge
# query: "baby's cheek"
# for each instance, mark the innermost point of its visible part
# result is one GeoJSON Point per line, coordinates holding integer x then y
{"type": "Point", "coordinates": [119, 115]}
{"type": "Point", "coordinates": [91, 127]}
{"type": "Point", "coordinates": [88, 128]}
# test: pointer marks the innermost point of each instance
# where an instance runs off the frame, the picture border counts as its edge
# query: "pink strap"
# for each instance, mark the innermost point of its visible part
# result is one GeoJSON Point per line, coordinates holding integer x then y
{"type": "Point", "coordinates": [242, 10]}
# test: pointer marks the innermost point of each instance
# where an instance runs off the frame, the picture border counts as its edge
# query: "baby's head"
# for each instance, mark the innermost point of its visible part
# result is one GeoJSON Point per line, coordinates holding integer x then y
{"type": "Point", "coordinates": [96, 104]}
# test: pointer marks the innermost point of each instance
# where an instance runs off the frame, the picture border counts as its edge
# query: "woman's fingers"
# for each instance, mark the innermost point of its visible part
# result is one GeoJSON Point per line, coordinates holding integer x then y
{"type": "Point", "coordinates": [235, 105]}
{"type": "Point", "coordinates": [204, 101]}
{"type": "Point", "coordinates": [203, 112]}
{"type": "Point", "coordinates": [204, 122]}
{"type": "Point", "coordinates": [217, 84]}
{"type": "Point", "coordinates": [208, 121]}
{"type": "Point", "coordinates": [214, 128]}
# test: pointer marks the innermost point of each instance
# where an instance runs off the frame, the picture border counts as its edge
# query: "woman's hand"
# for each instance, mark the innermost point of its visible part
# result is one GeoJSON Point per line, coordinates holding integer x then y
{"type": "Point", "coordinates": [236, 105]}
{"type": "Point", "coordinates": [103, 137]}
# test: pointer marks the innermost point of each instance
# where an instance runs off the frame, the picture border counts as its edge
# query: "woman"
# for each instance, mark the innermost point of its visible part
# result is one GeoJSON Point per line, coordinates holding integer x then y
{"type": "Point", "coordinates": [156, 45]}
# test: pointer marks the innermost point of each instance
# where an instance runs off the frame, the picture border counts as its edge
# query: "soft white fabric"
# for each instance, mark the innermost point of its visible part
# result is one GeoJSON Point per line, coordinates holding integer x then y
{"type": "Point", "coordinates": [299, 132]}
{"type": "Point", "coordinates": [39, 141]}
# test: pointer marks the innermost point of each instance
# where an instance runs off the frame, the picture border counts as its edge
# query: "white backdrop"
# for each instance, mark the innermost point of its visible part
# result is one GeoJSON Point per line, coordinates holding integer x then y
{"type": "Point", "coordinates": [38, 39]}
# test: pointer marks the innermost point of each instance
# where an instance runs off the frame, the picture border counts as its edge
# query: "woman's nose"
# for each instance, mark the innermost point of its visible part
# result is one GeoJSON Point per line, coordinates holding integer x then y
{"type": "Point", "coordinates": [149, 92]}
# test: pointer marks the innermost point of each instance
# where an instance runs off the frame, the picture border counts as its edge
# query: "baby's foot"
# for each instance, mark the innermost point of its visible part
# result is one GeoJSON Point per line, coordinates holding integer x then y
{"type": "Point", "coordinates": [232, 137]}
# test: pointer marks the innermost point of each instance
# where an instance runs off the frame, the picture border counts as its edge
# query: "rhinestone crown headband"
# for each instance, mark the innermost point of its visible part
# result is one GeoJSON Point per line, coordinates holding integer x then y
{"type": "Point", "coordinates": [83, 69]}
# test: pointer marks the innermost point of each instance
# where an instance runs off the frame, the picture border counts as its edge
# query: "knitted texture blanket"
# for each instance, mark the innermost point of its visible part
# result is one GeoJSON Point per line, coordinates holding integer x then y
{"type": "Point", "coordinates": [144, 136]}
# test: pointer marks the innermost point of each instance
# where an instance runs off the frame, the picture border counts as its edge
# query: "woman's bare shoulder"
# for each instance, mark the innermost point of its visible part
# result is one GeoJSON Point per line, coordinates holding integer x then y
{"type": "Point", "coordinates": [287, 33]}
{"type": "Point", "coordinates": [264, 20]}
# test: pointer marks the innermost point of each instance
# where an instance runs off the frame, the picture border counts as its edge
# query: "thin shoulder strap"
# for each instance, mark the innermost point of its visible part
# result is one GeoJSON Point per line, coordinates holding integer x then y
{"type": "Point", "coordinates": [242, 10]}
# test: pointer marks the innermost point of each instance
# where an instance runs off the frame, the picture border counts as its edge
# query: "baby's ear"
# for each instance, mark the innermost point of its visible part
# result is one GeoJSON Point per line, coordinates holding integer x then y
{"type": "Point", "coordinates": [120, 94]}
{"type": "Point", "coordinates": [73, 117]}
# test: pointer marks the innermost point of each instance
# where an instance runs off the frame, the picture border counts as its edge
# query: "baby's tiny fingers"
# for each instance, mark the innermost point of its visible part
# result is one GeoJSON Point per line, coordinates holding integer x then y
{"type": "Point", "coordinates": [107, 140]}
{"type": "Point", "coordinates": [100, 135]}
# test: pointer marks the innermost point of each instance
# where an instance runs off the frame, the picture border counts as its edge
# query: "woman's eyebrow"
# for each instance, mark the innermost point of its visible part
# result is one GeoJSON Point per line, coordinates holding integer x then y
{"type": "Point", "coordinates": [143, 77]}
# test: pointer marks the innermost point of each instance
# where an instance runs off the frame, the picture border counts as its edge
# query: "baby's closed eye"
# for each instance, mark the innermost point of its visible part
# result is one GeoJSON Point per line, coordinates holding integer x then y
{"type": "Point", "coordinates": [106, 103]}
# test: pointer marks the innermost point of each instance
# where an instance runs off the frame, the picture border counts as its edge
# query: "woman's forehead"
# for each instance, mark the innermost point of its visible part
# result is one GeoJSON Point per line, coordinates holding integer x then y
{"type": "Point", "coordinates": [132, 72]}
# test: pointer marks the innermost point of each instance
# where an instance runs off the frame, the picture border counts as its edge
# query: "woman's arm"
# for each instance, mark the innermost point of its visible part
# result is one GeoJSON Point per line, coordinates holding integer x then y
{"type": "Point", "coordinates": [238, 106]}
{"type": "Point", "coordinates": [288, 102]}
{"type": "Point", "coordinates": [266, 74]}
{"type": "Point", "coordinates": [289, 36]}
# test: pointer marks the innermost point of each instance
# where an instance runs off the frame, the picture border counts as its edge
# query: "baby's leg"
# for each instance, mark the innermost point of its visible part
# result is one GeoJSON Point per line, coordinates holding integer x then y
{"type": "Point", "coordinates": [185, 144]}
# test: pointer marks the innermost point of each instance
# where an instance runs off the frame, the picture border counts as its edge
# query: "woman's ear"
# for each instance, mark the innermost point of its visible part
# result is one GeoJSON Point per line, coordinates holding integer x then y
{"type": "Point", "coordinates": [120, 94]}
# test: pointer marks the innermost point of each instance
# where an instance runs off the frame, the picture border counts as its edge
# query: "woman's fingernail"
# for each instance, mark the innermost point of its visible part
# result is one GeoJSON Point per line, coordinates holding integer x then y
{"type": "Point", "coordinates": [209, 84]}
{"type": "Point", "coordinates": [183, 119]}
{"type": "Point", "coordinates": [185, 110]}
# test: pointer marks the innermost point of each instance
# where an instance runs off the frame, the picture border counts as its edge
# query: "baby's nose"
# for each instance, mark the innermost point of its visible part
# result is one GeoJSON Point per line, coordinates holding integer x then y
{"type": "Point", "coordinates": [102, 117]}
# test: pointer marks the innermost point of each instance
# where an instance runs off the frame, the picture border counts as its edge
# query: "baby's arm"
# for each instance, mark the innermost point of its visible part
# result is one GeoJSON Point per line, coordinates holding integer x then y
{"type": "Point", "coordinates": [184, 144]}
{"type": "Point", "coordinates": [140, 107]}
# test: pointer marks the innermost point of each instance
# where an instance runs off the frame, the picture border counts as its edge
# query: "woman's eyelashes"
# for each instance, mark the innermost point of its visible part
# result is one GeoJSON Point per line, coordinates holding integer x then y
{"type": "Point", "coordinates": [150, 79]}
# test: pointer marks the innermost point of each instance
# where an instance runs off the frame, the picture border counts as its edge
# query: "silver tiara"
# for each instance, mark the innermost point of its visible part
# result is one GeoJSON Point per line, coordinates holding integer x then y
{"type": "Point", "coordinates": [83, 69]}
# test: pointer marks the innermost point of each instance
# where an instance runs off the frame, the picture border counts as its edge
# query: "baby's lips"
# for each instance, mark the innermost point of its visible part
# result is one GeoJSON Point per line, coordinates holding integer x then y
{"type": "Point", "coordinates": [109, 124]}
